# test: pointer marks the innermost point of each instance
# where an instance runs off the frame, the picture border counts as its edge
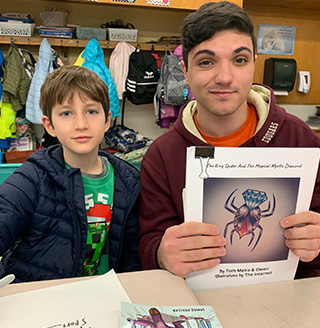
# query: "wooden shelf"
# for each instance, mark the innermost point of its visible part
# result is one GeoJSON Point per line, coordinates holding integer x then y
{"type": "Point", "coordinates": [77, 43]}
{"type": "Point", "coordinates": [174, 4]}
{"type": "Point", "coordinates": [292, 4]}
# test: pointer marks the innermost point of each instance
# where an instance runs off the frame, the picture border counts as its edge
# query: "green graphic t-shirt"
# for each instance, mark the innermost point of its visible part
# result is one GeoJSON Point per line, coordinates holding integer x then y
{"type": "Point", "coordinates": [98, 190]}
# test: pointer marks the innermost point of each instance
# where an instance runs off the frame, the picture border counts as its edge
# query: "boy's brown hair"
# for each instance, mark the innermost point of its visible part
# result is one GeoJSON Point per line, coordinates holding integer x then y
{"type": "Point", "coordinates": [68, 80]}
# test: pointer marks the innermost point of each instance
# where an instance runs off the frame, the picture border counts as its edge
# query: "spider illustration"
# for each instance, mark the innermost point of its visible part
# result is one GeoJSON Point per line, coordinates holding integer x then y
{"type": "Point", "coordinates": [247, 216]}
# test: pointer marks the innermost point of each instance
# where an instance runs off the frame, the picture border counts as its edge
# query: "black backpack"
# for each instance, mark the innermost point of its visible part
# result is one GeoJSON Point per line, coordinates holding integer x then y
{"type": "Point", "coordinates": [142, 79]}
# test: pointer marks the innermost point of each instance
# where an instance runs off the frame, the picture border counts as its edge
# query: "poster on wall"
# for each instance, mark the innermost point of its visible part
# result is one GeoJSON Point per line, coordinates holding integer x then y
{"type": "Point", "coordinates": [159, 2]}
{"type": "Point", "coordinates": [245, 192]}
{"type": "Point", "coordinates": [276, 40]}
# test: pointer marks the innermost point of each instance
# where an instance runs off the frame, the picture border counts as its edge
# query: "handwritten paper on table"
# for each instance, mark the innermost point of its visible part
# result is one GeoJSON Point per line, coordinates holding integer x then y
{"type": "Point", "coordinates": [90, 303]}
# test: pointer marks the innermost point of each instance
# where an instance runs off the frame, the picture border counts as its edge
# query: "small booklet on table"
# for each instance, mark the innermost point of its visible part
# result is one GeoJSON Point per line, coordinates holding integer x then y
{"type": "Point", "coordinates": [198, 316]}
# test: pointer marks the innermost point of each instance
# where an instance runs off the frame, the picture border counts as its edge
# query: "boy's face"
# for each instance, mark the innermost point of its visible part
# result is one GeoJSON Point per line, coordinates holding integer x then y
{"type": "Point", "coordinates": [79, 124]}
{"type": "Point", "coordinates": [220, 74]}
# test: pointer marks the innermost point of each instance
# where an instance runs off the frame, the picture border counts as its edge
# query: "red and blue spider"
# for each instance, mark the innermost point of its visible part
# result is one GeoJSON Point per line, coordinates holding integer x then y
{"type": "Point", "coordinates": [247, 216]}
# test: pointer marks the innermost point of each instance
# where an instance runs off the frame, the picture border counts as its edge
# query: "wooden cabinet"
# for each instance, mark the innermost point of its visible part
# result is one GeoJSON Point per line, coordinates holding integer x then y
{"type": "Point", "coordinates": [304, 15]}
{"type": "Point", "coordinates": [292, 4]}
{"type": "Point", "coordinates": [177, 10]}
{"type": "Point", "coordinates": [76, 43]}
{"type": "Point", "coordinates": [174, 4]}
{"type": "Point", "coordinates": [152, 21]}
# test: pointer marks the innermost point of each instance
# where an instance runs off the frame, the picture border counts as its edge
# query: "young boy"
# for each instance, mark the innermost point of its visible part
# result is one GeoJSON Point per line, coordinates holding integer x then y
{"type": "Point", "coordinates": [71, 209]}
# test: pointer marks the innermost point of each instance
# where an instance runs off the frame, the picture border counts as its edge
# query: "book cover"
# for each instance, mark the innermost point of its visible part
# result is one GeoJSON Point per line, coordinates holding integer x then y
{"type": "Point", "coordinates": [245, 192]}
{"type": "Point", "coordinates": [139, 316]}
{"type": "Point", "coordinates": [57, 34]}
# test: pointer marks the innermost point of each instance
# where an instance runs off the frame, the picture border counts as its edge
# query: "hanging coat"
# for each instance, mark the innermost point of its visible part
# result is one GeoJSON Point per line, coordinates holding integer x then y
{"type": "Point", "coordinates": [92, 57]}
{"type": "Point", "coordinates": [1, 71]}
{"type": "Point", "coordinates": [7, 115]}
{"type": "Point", "coordinates": [42, 68]}
{"type": "Point", "coordinates": [16, 81]}
{"type": "Point", "coordinates": [119, 65]}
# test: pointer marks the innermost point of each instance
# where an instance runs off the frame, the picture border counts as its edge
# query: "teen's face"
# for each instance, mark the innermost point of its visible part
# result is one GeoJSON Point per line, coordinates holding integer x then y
{"type": "Point", "coordinates": [79, 124]}
{"type": "Point", "coordinates": [220, 73]}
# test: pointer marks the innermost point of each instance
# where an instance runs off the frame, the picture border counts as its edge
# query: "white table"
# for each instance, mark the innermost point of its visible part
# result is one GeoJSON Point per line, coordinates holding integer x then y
{"type": "Point", "coordinates": [289, 304]}
{"type": "Point", "coordinates": [154, 287]}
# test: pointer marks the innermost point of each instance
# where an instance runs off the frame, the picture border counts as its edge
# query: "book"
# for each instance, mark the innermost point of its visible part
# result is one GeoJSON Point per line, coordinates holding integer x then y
{"type": "Point", "coordinates": [198, 316]}
{"type": "Point", "coordinates": [57, 34]}
{"type": "Point", "coordinates": [56, 28]}
{"type": "Point", "coordinates": [245, 192]}
{"type": "Point", "coordinates": [24, 143]}
{"type": "Point", "coordinates": [16, 20]}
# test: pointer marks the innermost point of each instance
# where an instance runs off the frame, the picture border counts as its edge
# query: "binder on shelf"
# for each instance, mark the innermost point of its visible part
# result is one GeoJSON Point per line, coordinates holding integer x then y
{"type": "Point", "coordinates": [56, 34]}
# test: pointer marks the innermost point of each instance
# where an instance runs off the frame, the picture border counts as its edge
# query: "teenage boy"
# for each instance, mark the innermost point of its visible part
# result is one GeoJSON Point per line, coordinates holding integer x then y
{"type": "Point", "coordinates": [71, 209]}
{"type": "Point", "coordinates": [218, 62]}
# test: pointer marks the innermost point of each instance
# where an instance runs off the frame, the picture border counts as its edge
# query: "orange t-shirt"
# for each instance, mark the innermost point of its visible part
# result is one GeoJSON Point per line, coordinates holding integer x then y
{"type": "Point", "coordinates": [237, 138]}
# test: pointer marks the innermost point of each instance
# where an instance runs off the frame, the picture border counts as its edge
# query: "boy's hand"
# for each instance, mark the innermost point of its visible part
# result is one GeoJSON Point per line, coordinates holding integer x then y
{"type": "Point", "coordinates": [304, 240]}
{"type": "Point", "coordinates": [190, 246]}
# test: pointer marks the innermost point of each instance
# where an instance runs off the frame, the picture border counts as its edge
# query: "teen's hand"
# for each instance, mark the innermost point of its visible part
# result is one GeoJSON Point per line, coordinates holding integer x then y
{"type": "Point", "coordinates": [303, 240]}
{"type": "Point", "coordinates": [190, 246]}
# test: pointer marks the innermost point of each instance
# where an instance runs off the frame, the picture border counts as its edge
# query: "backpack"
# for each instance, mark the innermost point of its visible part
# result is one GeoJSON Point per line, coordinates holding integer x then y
{"type": "Point", "coordinates": [172, 88]}
{"type": "Point", "coordinates": [156, 56]}
{"type": "Point", "coordinates": [142, 79]}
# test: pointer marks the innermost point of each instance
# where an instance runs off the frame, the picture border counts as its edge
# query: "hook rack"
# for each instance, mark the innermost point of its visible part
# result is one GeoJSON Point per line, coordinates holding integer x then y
{"type": "Point", "coordinates": [34, 41]}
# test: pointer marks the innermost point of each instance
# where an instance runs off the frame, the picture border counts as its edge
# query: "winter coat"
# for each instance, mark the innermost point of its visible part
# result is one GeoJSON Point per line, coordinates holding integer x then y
{"type": "Point", "coordinates": [42, 68]}
{"type": "Point", "coordinates": [43, 221]}
{"type": "Point", "coordinates": [92, 57]}
{"type": "Point", "coordinates": [16, 81]}
{"type": "Point", "coordinates": [1, 71]}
